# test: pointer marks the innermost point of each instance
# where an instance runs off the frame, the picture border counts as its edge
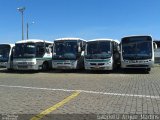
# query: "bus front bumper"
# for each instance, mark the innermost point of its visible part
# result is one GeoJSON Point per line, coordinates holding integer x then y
{"type": "Point", "coordinates": [98, 66]}
{"type": "Point", "coordinates": [137, 64]}
{"type": "Point", "coordinates": [67, 64]}
{"type": "Point", "coordinates": [25, 65]}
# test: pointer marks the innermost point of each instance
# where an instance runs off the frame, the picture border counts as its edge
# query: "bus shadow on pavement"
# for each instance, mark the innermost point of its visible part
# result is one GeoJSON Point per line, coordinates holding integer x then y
{"type": "Point", "coordinates": [97, 72]}
{"type": "Point", "coordinates": [116, 71]}
{"type": "Point", "coordinates": [64, 71]}
{"type": "Point", "coordinates": [18, 71]}
{"type": "Point", "coordinates": [134, 71]}
{"type": "Point", "coordinates": [69, 71]}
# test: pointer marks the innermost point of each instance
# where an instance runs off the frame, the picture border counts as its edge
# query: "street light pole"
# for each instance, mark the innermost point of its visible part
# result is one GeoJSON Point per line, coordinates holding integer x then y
{"type": "Point", "coordinates": [28, 30]}
{"type": "Point", "coordinates": [21, 9]}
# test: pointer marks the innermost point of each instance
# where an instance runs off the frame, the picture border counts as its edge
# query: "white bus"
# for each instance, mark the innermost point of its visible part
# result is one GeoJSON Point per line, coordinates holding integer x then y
{"type": "Point", "coordinates": [102, 54]}
{"type": "Point", "coordinates": [68, 53]}
{"type": "Point", "coordinates": [137, 52]}
{"type": "Point", "coordinates": [32, 54]}
{"type": "Point", "coordinates": [6, 55]}
{"type": "Point", "coordinates": [157, 53]}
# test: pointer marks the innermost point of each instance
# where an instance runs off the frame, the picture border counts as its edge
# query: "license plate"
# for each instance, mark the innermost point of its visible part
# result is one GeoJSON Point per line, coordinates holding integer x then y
{"type": "Point", "coordinates": [134, 61]}
{"type": "Point", "coordinates": [96, 66]}
{"type": "Point", "coordinates": [23, 67]}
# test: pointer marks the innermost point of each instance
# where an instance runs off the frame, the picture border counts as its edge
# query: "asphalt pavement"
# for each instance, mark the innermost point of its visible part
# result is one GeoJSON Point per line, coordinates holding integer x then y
{"type": "Point", "coordinates": [79, 94]}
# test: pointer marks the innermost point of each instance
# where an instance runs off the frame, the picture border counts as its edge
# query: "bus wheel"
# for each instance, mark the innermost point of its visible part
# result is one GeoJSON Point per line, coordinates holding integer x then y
{"type": "Point", "coordinates": [148, 70]}
{"type": "Point", "coordinates": [45, 66]}
{"type": "Point", "coordinates": [9, 69]}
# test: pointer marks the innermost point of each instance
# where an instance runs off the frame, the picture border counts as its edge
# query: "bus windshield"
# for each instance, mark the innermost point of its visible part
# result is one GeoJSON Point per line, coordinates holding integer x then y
{"type": "Point", "coordinates": [25, 50]}
{"type": "Point", "coordinates": [4, 53]}
{"type": "Point", "coordinates": [66, 49]}
{"type": "Point", "coordinates": [137, 48]}
{"type": "Point", "coordinates": [98, 49]}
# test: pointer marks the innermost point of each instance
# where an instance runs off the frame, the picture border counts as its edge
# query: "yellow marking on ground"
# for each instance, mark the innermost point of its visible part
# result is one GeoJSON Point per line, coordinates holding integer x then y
{"type": "Point", "coordinates": [56, 106]}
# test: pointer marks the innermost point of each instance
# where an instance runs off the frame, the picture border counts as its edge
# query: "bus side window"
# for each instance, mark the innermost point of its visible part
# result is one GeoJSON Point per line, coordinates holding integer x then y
{"type": "Point", "coordinates": [49, 49]}
{"type": "Point", "coordinates": [40, 50]}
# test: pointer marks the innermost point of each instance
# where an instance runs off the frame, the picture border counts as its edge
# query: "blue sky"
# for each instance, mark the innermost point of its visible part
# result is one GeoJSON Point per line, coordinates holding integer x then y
{"type": "Point", "coordinates": [87, 19]}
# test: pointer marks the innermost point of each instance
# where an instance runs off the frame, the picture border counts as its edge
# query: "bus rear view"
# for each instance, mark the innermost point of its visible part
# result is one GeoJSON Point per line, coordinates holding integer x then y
{"type": "Point", "coordinates": [137, 52]}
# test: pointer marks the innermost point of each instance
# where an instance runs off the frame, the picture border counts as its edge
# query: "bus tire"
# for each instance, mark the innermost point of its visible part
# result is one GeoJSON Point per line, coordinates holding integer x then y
{"type": "Point", "coordinates": [45, 66]}
{"type": "Point", "coordinates": [10, 69]}
{"type": "Point", "coordinates": [148, 69]}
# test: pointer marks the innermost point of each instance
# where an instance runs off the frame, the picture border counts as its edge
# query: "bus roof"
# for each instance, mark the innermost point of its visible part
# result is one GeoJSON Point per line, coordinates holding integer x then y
{"type": "Point", "coordinates": [63, 39]}
{"type": "Point", "coordinates": [137, 36]}
{"type": "Point", "coordinates": [12, 45]}
{"type": "Point", "coordinates": [33, 41]}
{"type": "Point", "coordinates": [103, 39]}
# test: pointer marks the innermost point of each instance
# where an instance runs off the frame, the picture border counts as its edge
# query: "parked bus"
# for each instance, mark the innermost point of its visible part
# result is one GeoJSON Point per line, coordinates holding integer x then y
{"type": "Point", "coordinates": [68, 53]}
{"type": "Point", "coordinates": [32, 54]}
{"type": "Point", "coordinates": [137, 52]}
{"type": "Point", "coordinates": [6, 55]}
{"type": "Point", "coordinates": [102, 54]}
{"type": "Point", "coordinates": [157, 53]}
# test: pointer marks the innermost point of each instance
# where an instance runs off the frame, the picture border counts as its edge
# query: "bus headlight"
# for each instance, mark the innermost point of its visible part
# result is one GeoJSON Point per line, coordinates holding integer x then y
{"type": "Point", "coordinates": [5, 63]}
{"type": "Point", "coordinates": [86, 63]}
{"type": "Point", "coordinates": [109, 61]}
{"type": "Point", "coordinates": [126, 61]}
{"type": "Point", "coordinates": [31, 63]}
{"type": "Point", "coordinates": [72, 63]}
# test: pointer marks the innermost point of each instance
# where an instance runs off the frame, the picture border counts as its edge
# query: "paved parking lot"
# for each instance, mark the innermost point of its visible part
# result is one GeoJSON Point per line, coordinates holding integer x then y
{"type": "Point", "coordinates": [82, 95]}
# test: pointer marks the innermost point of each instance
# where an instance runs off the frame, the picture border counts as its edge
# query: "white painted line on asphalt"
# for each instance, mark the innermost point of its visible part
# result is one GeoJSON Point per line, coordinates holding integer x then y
{"type": "Point", "coordinates": [83, 91]}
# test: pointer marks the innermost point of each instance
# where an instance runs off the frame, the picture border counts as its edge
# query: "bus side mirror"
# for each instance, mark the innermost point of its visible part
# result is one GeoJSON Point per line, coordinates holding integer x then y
{"type": "Point", "coordinates": [79, 49]}
{"type": "Point", "coordinates": [13, 50]}
{"type": "Point", "coordinates": [117, 55]}
{"type": "Point", "coordinates": [117, 48]}
{"type": "Point", "coordinates": [82, 54]}
{"type": "Point", "coordinates": [48, 50]}
{"type": "Point", "coordinates": [154, 45]}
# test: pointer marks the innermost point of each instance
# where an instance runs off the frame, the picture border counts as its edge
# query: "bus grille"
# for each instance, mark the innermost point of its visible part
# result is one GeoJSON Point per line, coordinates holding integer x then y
{"type": "Point", "coordinates": [96, 63]}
